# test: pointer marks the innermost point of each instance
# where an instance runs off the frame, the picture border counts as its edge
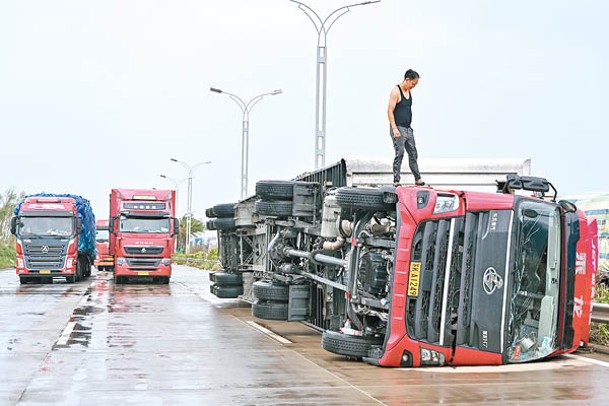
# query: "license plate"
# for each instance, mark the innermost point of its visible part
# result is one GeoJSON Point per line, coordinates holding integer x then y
{"type": "Point", "coordinates": [414, 277]}
{"type": "Point", "coordinates": [143, 273]}
{"type": "Point", "coordinates": [45, 272]}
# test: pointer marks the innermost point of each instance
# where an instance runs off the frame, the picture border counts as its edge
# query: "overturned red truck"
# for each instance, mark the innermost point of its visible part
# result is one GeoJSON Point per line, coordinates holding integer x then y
{"type": "Point", "coordinates": [142, 228]}
{"type": "Point", "coordinates": [414, 276]}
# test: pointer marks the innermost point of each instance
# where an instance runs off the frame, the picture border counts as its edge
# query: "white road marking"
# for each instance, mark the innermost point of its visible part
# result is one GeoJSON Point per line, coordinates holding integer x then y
{"type": "Point", "coordinates": [269, 333]}
{"type": "Point", "coordinates": [65, 334]}
{"type": "Point", "coordinates": [590, 360]}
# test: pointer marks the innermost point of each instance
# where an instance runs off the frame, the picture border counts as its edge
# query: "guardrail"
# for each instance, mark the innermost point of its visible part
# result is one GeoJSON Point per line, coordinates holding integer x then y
{"type": "Point", "coordinates": [600, 313]}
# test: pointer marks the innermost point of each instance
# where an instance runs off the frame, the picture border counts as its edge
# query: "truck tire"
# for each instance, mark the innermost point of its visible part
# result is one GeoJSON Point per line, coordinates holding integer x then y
{"type": "Point", "coordinates": [275, 189]}
{"type": "Point", "coordinates": [348, 345]}
{"type": "Point", "coordinates": [224, 223]}
{"type": "Point", "coordinates": [270, 310]}
{"type": "Point", "coordinates": [265, 290]}
{"type": "Point", "coordinates": [362, 198]}
{"type": "Point", "coordinates": [270, 208]}
{"type": "Point", "coordinates": [226, 279]}
{"type": "Point", "coordinates": [210, 225]}
{"type": "Point", "coordinates": [227, 292]}
{"type": "Point", "coordinates": [224, 210]}
{"type": "Point", "coordinates": [209, 213]}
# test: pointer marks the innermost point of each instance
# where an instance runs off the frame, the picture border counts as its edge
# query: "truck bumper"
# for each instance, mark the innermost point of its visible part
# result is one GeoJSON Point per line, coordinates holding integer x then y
{"type": "Point", "coordinates": [104, 262]}
{"type": "Point", "coordinates": [124, 270]}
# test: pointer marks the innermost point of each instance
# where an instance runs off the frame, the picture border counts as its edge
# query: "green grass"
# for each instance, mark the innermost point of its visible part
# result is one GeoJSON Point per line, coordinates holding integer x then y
{"type": "Point", "coordinates": [203, 260]}
{"type": "Point", "coordinates": [7, 255]}
{"type": "Point", "coordinates": [599, 332]}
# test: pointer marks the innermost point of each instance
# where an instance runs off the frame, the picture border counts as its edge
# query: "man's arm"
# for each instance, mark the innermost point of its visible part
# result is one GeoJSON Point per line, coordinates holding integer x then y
{"type": "Point", "coordinates": [393, 100]}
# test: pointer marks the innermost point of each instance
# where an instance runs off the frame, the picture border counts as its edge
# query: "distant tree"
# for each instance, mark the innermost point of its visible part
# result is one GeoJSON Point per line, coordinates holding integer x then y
{"type": "Point", "coordinates": [196, 226]}
{"type": "Point", "coordinates": [8, 201]}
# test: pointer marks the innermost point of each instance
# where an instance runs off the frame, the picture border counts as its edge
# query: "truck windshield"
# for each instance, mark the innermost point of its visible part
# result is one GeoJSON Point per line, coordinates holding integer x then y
{"type": "Point", "coordinates": [144, 225]}
{"type": "Point", "coordinates": [32, 227]}
{"type": "Point", "coordinates": [101, 235]}
{"type": "Point", "coordinates": [533, 317]}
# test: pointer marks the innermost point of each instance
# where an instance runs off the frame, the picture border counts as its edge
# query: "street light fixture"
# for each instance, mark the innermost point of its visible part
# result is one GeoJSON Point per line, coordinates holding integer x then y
{"type": "Point", "coordinates": [176, 186]}
{"type": "Point", "coordinates": [323, 27]}
{"type": "Point", "coordinates": [245, 108]}
{"type": "Point", "coordinates": [190, 170]}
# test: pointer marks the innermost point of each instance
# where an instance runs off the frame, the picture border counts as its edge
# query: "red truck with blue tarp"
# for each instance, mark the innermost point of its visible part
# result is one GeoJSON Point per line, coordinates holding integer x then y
{"type": "Point", "coordinates": [55, 237]}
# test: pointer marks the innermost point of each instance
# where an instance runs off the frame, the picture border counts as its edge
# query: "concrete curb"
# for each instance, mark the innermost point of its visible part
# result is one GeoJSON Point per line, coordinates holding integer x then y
{"type": "Point", "coordinates": [603, 349]}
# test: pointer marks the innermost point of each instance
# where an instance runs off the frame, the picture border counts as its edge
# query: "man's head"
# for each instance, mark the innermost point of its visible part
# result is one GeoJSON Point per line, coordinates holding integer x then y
{"type": "Point", "coordinates": [411, 78]}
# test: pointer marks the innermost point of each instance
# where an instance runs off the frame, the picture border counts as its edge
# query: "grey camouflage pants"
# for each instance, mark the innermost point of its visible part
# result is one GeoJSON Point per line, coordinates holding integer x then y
{"type": "Point", "coordinates": [404, 143]}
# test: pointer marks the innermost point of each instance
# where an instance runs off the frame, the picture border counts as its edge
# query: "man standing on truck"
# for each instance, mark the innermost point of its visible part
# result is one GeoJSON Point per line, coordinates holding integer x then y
{"type": "Point", "coordinates": [400, 118]}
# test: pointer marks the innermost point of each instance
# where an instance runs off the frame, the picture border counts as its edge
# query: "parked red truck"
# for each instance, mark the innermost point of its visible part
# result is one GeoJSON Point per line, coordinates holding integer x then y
{"type": "Point", "coordinates": [143, 228]}
{"type": "Point", "coordinates": [55, 236]}
{"type": "Point", "coordinates": [103, 261]}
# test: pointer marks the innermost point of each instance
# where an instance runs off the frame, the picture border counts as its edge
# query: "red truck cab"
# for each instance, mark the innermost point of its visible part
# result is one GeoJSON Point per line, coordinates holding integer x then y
{"type": "Point", "coordinates": [103, 260]}
{"type": "Point", "coordinates": [48, 240]}
{"type": "Point", "coordinates": [488, 279]}
{"type": "Point", "coordinates": [143, 228]}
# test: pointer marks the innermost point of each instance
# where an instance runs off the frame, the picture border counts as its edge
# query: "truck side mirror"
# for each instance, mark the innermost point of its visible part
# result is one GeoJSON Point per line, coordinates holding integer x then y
{"type": "Point", "coordinates": [14, 225]}
{"type": "Point", "coordinates": [78, 224]}
{"type": "Point", "coordinates": [176, 226]}
{"type": "Point", "coordinates": [111, 224]}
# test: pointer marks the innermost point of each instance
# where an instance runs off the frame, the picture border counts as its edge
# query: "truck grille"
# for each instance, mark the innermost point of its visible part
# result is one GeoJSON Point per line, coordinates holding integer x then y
{"type": "Point", "coordinates": [148, 250]}
{"type": "Point", "coordinates": [40, 256]}
{"type": "Point", "coordinates": [143, 262]}
{"type": "Point", "coordinates": [431, 316]}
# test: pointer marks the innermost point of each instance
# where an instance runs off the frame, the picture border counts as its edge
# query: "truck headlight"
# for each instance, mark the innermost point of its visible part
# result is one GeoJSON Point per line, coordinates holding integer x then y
{"type": "Point", "coordinates": [446, 203]}
{"type": "Point", "coordinates": [166, 261]}
{"type": "Point", "coordinates": [431, 357]}
{"type": "Point", "coordinates": [121, 261]}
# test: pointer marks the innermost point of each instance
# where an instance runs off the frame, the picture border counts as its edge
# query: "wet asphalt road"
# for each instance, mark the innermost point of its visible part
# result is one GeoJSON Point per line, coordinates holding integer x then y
{"type": "Point", "coordinates": [94, 343]}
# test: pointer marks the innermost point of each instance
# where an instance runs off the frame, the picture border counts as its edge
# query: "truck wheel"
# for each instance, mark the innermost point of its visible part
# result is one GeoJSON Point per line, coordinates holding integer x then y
{"type": "Point", "coordinates": [210, 225]}
{"type": "Point", "coordinates": [224, 210]}
{"type": "Point", "coordinates": [209, 213]}
{"type": "Point", "coordinates": [227, 292]}
{"type": "Point", "coordinates": [23, 280]}
{"type": "Point", "coordinates": [270, 310]}
{"type": "Point", "coordinates": [265, 290]}
{"type": "Point", "coordinates": [70, 278]}
{"type": "Point", "coordinates": [224, 224]}
{"type": "Point", "coordinates": [269, 208]}
{"type": "Point", "coordinates": [348, 345]}
{"type": "Point", "coordinates": [226, 279]}
{"type": "Point", "coordinates": [362, 198]}
{"type": "Point", "coordinates": [275, 189]}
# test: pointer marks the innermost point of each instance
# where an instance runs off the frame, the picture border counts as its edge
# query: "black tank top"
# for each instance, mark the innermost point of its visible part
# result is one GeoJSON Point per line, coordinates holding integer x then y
{"type": "Point", "coordinates": [403, 110]}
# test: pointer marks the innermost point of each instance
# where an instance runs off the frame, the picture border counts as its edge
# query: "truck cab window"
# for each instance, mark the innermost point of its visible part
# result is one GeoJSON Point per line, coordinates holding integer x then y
{"type": "Point", "coordinates": [535, 288]}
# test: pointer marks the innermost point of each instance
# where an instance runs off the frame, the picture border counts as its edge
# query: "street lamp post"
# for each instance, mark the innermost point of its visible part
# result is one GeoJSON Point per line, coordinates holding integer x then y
{"type": "Point", "coordinates": [323, 27]}
{"type": "Point", "coordinates": [190, 170]}
{"type": "Point", "coordinates": [176, 186]}
{"type": "Point", "coordinates": [245, 108]}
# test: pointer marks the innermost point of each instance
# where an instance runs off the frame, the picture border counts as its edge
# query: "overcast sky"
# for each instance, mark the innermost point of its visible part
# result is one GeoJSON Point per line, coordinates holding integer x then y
{"type": "Point", "coordinates": [99, 94]}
